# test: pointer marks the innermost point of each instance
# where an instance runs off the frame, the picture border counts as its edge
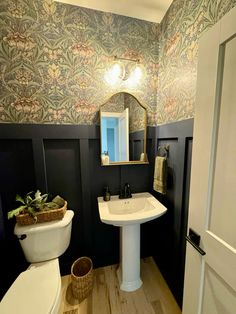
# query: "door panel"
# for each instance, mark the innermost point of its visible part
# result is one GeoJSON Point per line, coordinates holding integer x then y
{"type": "Point", "coordinates": [224, 180]}
{"type": "Point", "coordinates": [210, 280]}
{"type": "Point", "coordinates": [218, 296]}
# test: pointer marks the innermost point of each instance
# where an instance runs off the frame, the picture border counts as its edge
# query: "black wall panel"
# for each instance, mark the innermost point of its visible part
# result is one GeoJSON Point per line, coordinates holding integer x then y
{"type": "Point", "coordinates": [105, 238]}
{"type": "Point", "coordinates": [17, 165]}
{"type": "Point", "coordinates": [65, 160]}
{"type": "Point", "coordinates": [62, 162]}
{"type": "Point", "coordinates": [168, 225]}
{"type": "Point", "coordinates": [16, 176]}
{"type": "Point", "coordinates": [171, 228]}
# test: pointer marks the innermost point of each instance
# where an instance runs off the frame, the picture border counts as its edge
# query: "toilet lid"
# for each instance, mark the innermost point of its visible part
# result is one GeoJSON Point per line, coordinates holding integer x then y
{"type": "Point", "coordinates": [34, 290]}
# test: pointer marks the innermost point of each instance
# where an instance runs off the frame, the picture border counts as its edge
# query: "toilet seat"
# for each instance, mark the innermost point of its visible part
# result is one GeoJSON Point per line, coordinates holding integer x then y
{"type": "Point", "coordinates": [36, 290]}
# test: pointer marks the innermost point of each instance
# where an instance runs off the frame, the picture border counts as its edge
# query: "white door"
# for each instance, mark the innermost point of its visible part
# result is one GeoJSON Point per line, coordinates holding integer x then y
{"type": "Point", "coordinates": [124, 135]}
{"type": "Point", "coordinates": [210, 279]}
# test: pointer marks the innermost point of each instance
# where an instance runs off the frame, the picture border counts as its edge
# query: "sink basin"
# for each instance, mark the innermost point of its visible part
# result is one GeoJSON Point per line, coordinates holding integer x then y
{"type": "Point", "coordinates": [140, 208]}
{"type": "Point", "coordinates": [128, 214]}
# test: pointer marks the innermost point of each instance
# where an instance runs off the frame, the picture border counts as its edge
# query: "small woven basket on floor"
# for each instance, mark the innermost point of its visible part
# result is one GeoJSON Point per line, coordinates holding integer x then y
{"type": "Point", "coordinates": [82, 278]}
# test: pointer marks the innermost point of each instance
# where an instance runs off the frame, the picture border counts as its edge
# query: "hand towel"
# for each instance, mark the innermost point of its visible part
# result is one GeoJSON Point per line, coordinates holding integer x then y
{"type": "Point", "coordinates": [160, 175]}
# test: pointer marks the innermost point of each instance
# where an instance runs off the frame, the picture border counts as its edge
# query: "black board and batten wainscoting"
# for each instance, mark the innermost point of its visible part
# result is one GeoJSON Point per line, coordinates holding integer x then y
{"type": "Point", "coordinates": [65, 160]}
{"type": "Point", "coordinates": [171, 228]}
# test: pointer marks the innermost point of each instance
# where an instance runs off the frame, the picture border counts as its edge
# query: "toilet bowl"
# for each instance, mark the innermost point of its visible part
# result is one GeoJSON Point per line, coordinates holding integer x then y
{"type": "Point", "coordinates": [38, 289]}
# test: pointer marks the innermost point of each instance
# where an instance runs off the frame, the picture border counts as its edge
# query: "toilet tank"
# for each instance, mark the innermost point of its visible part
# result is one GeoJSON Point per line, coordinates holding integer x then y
{"type": "Point", "coordinates": [45, 241]}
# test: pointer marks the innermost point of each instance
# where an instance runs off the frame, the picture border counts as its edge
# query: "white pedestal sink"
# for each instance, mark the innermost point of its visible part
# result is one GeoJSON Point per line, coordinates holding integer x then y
{"type": "Point", "coordinates": [128, 214]}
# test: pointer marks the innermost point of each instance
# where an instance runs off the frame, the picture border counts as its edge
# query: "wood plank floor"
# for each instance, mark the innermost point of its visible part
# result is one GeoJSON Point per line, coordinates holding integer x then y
{"type": "Point", "coordinates": [154, 297]}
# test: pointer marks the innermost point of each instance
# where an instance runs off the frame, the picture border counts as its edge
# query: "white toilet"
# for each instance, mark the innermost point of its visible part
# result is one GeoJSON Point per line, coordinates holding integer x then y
{"type": "Point", "coordinates": [38, 289]}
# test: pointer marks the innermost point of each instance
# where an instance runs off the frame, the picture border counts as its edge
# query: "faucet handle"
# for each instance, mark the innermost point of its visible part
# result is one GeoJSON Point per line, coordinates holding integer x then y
{"type": "Point", "coordinates": [127, 190]}
{"type": "Point", "coordinates": [127, 186]}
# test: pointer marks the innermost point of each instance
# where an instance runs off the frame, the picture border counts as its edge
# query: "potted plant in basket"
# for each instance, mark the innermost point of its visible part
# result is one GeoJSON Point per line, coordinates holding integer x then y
{"type": "Point", "coordinates": [36, 208]}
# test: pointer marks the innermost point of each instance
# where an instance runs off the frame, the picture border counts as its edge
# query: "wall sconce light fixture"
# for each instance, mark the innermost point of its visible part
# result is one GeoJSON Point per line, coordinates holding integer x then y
{"type": "Point", "coordinates": [124, 71]}
{"type": "Point", "coordinates": [127, 65]}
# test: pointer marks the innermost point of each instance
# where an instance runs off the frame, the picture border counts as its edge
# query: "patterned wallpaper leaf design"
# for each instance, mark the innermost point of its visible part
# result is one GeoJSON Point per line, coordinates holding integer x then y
{"type": "Point", "coordinates": [53, 58]}
{"type": "Point", "coordinates": [181, 29]}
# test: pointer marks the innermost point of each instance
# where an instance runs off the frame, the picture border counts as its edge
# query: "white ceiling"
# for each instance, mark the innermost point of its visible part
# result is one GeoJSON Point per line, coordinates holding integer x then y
{"type": "Point", "coordinates": [149, 10]}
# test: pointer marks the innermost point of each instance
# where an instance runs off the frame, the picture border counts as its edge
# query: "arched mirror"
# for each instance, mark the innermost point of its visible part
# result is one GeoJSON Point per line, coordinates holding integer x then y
{"type": "Point", "coordinates": [123, 122]}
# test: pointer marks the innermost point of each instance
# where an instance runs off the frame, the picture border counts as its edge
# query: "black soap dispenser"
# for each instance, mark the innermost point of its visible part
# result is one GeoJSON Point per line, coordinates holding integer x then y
{"type": "Point", "coordinates": [107, 194]}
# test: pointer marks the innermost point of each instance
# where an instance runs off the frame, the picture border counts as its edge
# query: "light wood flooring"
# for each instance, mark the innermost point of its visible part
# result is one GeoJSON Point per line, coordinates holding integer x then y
{"type": "Point", "coordinates": [154, 297]}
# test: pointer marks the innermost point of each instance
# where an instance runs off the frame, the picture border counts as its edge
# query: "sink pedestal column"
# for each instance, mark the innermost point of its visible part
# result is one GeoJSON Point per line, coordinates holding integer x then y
{"type": "Point", "coordinates": [129, 270]}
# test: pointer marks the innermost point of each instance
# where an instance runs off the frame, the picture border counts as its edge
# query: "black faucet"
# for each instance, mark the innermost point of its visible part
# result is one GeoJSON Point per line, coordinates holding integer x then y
{"type": "Point", "coordinates": [126, 192]}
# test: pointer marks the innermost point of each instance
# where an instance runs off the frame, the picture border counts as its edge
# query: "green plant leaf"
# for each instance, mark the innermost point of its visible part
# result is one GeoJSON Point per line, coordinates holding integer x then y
{"type": "Point", "coordinates": [20, 199]}
{"type": "Point", "coordinates": [31, 211]}
{"type": "Point", "coordinates": [37, 195]}
{"type": "Point", "coordinates": [38, 198]}
{"type": "Point", "coordinates": [28, 199]}
{"type": "Point", "coordinates": [16, 211]}
{"type": "Point", "coordinates": [34, 202]}
{"type": "Point", "coordinates": [29, 193]}
{"type": "Point", "coordinates": [45, 197]}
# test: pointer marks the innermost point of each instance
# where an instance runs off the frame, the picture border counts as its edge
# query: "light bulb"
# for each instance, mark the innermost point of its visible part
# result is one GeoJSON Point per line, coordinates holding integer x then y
{"type": "Point", "coordinates": [135, 76]}
{"type": "Point", "coordinates": [114, 74]}
{"type": "Point", "coordinates": [137, 73]}
{"type": "Point", "coordinates": [116, 70]}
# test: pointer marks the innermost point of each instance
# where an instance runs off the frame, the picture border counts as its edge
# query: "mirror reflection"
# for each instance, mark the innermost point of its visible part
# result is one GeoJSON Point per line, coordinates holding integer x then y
{"type": "Point", "coordinates": [123, 130]}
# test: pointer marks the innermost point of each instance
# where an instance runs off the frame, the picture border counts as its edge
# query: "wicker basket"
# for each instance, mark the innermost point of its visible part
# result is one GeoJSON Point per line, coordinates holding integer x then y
{"type": "Point", "coordinates": [43, 216]}
{"type": "Point", "coordinates": [82, 278]}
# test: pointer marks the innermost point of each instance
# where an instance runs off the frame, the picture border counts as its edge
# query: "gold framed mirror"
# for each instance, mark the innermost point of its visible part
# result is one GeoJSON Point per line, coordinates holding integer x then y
{"type": "Point", "coordinates": [123, 130]}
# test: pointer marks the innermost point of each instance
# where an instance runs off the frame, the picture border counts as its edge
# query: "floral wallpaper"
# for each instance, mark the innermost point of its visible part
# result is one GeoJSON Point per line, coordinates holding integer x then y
{"type": "Point", "coordinates": [114, 104]}
{"type": "Point", "coordinates": [181, 29]}
{"type": "Point", "coordinates": [54, 56]}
